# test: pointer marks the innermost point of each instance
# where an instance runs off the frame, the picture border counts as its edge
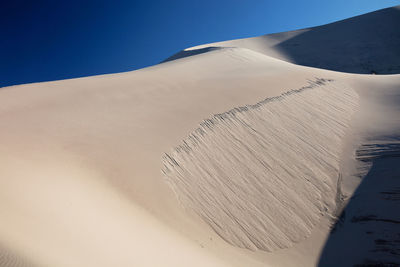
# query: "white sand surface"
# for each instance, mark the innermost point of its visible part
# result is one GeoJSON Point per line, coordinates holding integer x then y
{"type": "Point", "coordinates": [84, 180]}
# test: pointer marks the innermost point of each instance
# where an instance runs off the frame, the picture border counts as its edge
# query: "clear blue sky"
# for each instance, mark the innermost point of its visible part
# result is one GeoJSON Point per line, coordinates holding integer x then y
{"type": "Point", "coordinates": [52, 40]}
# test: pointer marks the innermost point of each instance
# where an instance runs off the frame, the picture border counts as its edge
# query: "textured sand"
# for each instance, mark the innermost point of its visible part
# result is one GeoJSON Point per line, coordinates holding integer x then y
{"type": "Point", "coordinates": [262, 175]}
{"type": "Point", "coordinates": [82, 161]}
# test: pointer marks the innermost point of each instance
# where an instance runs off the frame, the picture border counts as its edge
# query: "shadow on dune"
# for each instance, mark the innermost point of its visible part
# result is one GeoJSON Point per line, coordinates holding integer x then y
{"type": "Point", "coordinates": [365, 44]}
{"type": "Point", "coordinates": [193, 52]}
{"type": "Point", "coordinates": [368, 231]}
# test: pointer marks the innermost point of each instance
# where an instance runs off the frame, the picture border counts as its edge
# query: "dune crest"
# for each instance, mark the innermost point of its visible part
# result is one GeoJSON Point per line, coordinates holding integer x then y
{"type": "Point", "coordinates": [262, 175]}
{"type": "Point", "coordinates": [363, 44]}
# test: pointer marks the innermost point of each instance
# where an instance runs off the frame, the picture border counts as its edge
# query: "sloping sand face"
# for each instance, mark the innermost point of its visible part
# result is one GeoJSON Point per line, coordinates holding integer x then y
{"type": "Point", "coordinates": [262, 175]}
{"type": "Point", "coordinates": [80, 179]}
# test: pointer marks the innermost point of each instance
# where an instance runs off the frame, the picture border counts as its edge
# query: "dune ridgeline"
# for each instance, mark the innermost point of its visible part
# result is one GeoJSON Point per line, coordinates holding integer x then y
{"type": "Point", "coordinates": [278, 150]}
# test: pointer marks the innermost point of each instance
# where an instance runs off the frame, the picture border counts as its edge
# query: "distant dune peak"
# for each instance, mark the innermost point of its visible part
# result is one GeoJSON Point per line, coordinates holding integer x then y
{"type": "Point", "coordinates": [262, 175]}
{"type": "Point", "coordinates": [365, 44]}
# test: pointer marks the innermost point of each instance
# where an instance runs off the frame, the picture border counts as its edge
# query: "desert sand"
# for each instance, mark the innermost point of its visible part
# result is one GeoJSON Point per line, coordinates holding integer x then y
{"type": "Point", "coordinates": [279, 150]}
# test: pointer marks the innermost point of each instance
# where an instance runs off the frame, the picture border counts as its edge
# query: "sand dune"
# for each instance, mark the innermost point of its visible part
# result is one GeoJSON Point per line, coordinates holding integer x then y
{"type": "Point", "coordinates": [364, 44]}
{"type": "Point", "coordinates": [300, 162]}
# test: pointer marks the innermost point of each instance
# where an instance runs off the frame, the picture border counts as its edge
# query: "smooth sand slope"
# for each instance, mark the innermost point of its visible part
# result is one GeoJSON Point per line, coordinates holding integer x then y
{"type": "Point", "coordinates": [136, 169]}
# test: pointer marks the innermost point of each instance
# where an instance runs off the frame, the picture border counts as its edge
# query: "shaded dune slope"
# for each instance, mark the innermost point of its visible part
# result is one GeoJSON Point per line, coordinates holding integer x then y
{"type": "Point", "coordinates": [364, 44]}
{"type": "Point", "coordinates": [189, 53]}
{"type": "Point", "coordinates": [262, 175]}
{"type": "Point", "coordinates": [368, 231]}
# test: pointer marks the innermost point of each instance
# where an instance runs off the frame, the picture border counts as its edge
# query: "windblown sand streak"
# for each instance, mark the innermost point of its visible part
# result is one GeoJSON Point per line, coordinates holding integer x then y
{"type": "Point", "coordinates": [262, 175]}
